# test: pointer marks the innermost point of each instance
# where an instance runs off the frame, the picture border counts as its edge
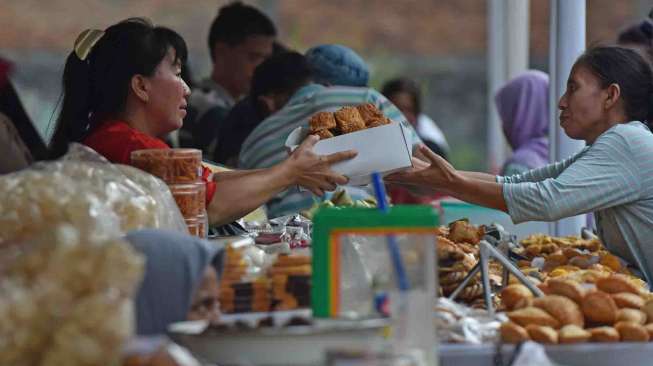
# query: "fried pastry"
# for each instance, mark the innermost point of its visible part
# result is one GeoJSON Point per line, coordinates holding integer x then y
{"type": "Point", "coordinates": [631, 332]}
{"type": "Point", "coordinates": [604, 335]}
{"type": "Point", "coordinates": [542, 334]}
{"type": "Point", "coordinates": [369, 112]}
{"type": "Point", "coordinates": [516, 296]}
{"type": "Point", "coordinates": [464, 232]}
{"type": "Point", "coordinates": [349, 120]}
{"type": "Point", "coordinates": [649, 329]}
{"type": "Point", "coordinates": [628, 300]}
{"type": "Point", "coordinates": [323, 134]}
{"type": "Point", "coordinates": [599, 308]}
{"type": "Point", "coordinates": [322, 121]}
{"type": "Point", "coordinates": [631, 316]}
{"type": "Point", "coordinates": [616, 283]}
{"type": "Point", "coordinates": [647, 308]}
{"type": "Point", "coordinates": [566, 288]}
{"type": "Point", "coordinates": [573, 334]}
{"type": "Point", "coordinates": [513, 333]}
{"type": "Point", "coordinates": [563, 309]}
{"type": "Point", "coordinates": [533, 315]}
{"type": "Point", "coordinates": [378, 122]}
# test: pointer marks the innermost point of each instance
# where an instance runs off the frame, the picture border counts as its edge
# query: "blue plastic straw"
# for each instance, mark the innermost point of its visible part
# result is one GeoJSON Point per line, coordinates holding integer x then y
{"type": "Point", "coordinates": [393, 246]}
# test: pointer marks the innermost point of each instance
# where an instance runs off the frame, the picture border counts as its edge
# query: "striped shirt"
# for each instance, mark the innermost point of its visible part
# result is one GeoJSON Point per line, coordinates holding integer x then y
{"type": "Point", "coordinates": [613, 177]}
{"type": "Point", "coordinates": [265, 146]}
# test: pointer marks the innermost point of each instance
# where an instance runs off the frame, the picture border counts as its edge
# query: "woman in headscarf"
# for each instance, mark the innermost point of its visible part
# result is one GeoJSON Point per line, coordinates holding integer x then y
{"type": "Point", "coordinates": [523, 105]}
{"type": "Point", "coordinates": [180, 281]}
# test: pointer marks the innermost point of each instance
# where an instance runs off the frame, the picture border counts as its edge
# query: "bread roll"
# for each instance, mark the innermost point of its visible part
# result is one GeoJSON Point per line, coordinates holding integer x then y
{"type": "Point", "coordinates": [631, 315]}
{"type": "Point", "coordinates": [563, 309]}
{"type": "Point", "coordinates": [628, 300]}
{"type": "Point", "coordinates": [516, 296]}
{"type": "Point", "coordinates": [513, 333]}
{"type": "Point", "coordinates": [604, 334]}
{"type": "Point", "coordinates": [542, 334]}
{"type": "Point", "coordinates": [566, 288]}
{"type": "Point", "coordinates": [573, 334]}
{"type": "Point", "coordinates": [631, 332]}
{"type": "Point", "coordinates": [533, 315]}
{"type": "Point", "coordinates": [599, 308]}
{"type": "Point", "coordinates": [616, 283]}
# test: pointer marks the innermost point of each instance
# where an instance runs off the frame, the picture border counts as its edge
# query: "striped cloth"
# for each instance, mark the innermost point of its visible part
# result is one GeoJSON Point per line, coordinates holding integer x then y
{"type": "Point", "coordinates": [265, 146]}
{"type": "Point", "coordinates": [613, 177]}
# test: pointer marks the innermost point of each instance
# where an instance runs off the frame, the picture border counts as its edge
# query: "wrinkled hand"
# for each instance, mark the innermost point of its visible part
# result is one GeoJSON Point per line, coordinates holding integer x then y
{"type": "Point", "coordinates": [313, 171]}
{"type": "Point", "coordinates": [435, 174]}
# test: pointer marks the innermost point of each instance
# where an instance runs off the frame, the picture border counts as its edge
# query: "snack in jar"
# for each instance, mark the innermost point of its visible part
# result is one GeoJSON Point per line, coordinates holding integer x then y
{"type": "Point", "coordinates": [171, 165]}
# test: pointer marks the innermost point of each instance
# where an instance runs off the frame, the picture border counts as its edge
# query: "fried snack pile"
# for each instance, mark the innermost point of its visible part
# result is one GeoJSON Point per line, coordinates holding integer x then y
{"type": "Point", "coordinates": [346, 120]}
{"type": "Point", "coordinates": [65, 299]}
{"type": "Point", "coordinates": [612, 309]}
{"type": "Point", "coordinates": [458, 253]}
{"type": "Point", "coordinates": [101, 199]}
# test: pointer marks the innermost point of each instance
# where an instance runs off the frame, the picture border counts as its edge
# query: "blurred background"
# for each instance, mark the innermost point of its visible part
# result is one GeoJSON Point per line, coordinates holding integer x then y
{"type": "Point", "coordinates": [442, 44]}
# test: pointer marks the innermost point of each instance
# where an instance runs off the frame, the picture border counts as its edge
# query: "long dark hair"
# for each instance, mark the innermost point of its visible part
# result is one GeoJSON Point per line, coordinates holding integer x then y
{"type": "Point", "coordinates": [96, 88]}
{"type": "Point", "coordinates": [404, 85]}
{"type": "Point", "coordinates": [628, 69]}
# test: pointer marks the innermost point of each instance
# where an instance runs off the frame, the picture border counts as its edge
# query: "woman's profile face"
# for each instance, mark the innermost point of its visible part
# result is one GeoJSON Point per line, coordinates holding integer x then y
{"type": "Point", "coordinates": [582, 112]}
{"type": "Point", "coordinates": [404, 102]}
{"type": "Point", "coordinates": [166, 107]}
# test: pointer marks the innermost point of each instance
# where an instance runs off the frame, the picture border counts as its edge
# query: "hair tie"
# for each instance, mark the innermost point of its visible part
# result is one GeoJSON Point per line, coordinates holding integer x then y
{"type": "Point", "coordinates": [85, 42]}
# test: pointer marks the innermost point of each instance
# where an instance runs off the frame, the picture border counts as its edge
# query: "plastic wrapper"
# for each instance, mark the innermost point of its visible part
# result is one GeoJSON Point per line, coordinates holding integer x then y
{"type": "Point", "coordinates": [293, 231]}
{"type": "Point", "coordinates": [84, 190]}
{"type": "Point", "coordinates": [457, 323]}
{"type": "Point", "coordinates": [171, 165]}
{"type": "Point", "coordinates": [65, 298]}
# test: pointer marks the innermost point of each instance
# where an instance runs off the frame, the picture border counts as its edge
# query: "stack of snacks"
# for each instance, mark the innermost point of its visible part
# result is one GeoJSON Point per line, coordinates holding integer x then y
{"type": "Point", "coordinates": [611, 310]}
{"type": "Point", "coordinates": [238, 295]}
{"type": "Point", "coordinates": [347, 120]}
{"type": "Point", "coordinates": [181, 169]}
{"type": "Point", "coordinates": [291, 282]}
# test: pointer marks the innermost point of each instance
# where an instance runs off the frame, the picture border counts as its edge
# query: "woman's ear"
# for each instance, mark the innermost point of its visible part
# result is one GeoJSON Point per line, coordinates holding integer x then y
{"type": "Point", "coordinates": [140, 87]}
{"type": "Point", "coordinates": [614, 92]}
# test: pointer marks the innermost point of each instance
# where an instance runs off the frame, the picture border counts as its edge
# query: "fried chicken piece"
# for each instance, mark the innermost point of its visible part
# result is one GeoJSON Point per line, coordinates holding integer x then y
{"type": "Point", "coordinates": [323, 134]}
{"type": "Point", "coordinates": [369, 112]}
{"type": "Point", "coordinates": [378, 122]}
{"type": "Point", "coordinates": [322, 121]}
{"type": "Point", "coordinates": [349, 120]}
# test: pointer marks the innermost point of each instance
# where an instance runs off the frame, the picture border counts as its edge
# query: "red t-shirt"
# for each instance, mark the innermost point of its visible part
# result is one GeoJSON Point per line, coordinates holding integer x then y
{"type": "Point", "coordinates": [115, 140]}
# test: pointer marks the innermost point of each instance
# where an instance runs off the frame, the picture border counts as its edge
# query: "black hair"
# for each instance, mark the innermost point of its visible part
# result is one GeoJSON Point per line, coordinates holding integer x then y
{"type": "Point", "coordinates": [281, 73]}
{"type": "Point", "coordinates": [237, 21]}
{"type": "Point", "coordinates": [628, 69]}
{"type": "Point", "coordinates": [404, 85]}
{"type": "Point", "coordinates": [97, 87]}
{"type": "Point", "coordinates": [639, 34]}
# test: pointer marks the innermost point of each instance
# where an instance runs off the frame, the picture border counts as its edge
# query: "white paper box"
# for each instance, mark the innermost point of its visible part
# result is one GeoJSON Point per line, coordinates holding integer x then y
{"type": "Point", "coordinates": [384, 149]}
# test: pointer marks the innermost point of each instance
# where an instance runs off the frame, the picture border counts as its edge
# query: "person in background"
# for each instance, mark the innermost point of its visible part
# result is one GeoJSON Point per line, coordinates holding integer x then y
{"type": "Point", "coordinates": [247, 114]}
{"type": "Point", "coordinates": [116, 105]}
{"type": "Point", "coordinates": [405, 94]}
{"type": "Point", "coordinates": [608, 104]}
{"type": "Point", "coordinates": [335, 64]}
{"type": "Point", "coordinates": [523, 106]}
{"type": "Point", "coordinates": [639, 36]}
{"type": "Point", "coordinates": [240, 38]}
{"type": "Point", "coordinates": [180, 280]}
{"type": "Point", "coordinates": [265, 146]}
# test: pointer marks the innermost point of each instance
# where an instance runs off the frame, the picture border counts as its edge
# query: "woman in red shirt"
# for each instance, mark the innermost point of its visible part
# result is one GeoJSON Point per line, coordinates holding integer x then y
{"type": "Point", "coordinates": [123, 92]}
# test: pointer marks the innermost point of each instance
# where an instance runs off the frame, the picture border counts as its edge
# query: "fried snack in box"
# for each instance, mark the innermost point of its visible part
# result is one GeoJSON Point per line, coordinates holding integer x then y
{"type": "Point", "coordinates": [628, 300]}
{"type": "Point", "coordinates": [573, 334]}
{"type": "Point", "coordinates": [324, 134]}
{"type": "Point", "coordinates": [369, 112]}
{"type": "Point", "coordinates": [542, 334]}
{"type": "Point", "coordinates": [604, 334]}
{"type": "Point", "coordinates": [378, 122]}
{"type": "Point", "coordinates": [631, 332]}
{"type": "Point", "coordinates": [598, 307]}
{"type": "Point", "coordinates": [513, 333]}
{"type": "Point", "coordinates": [563, 309]}
{"type": "Point", "coordinates": [349, 120]}
{"type": "Point", "coordinates": [170, 165]}
{"type": "Point", "coordinates": [631, 315]}
{"type": "Point", "coordinates": [322, 121]}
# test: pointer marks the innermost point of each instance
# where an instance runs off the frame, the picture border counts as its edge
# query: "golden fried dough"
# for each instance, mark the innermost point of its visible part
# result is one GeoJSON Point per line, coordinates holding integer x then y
{"type": "Point", "coordinates": [349, 120]}
{"type": "Point", "coordinates": [604, 334]}
{"type": "Point", "coordinates": [628, 300]}
{"type": "Point", "coordinates": [533, 315]}
{"type": "Point", "coordinates": [616, 283]}
{"type": "Point", "coordinates": [513, 333]}
{"type": "Point", "coordinates": [647, 308]}
{"type": "Point", "coordinates": [516, 296]}
{"type": "Point", "coordinates": [599, 308]}
{"type": "Point", "coordinates": [322, 121]}
{"type": "Point", "coordinates": [563, 309]}
{"type": "Point", "coordinates": [631, 332]}
{"type": "Point", "coordinates": [378, 122]}
{"type": "Point", "coordinates": [566, 288]}
{"type": "Point", "coordinates": [369, 112]}
{"type": "Point", "coordinates": [542, 334]}
{"type": "Point", "coordinates": [323, 134]}
{"type": "Point", "coordinates": [631, 315]}
{"type": "Point", "coordinates": [573, 334]}
{"type": "Point", "coordinates": [462, 231]}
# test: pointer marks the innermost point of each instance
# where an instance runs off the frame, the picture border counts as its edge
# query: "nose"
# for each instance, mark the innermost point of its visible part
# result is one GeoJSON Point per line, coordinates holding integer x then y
{"type": "Point", "coordinates": [186, 88]}
{"type": "Point", "coordinates": [562, 103]}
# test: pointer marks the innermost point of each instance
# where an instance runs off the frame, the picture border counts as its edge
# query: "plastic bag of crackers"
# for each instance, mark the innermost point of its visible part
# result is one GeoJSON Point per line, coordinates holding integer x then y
{"type": "Point", "coordinates": [93, 195]}
{"type": "Point", "coordinates": [65, 298]}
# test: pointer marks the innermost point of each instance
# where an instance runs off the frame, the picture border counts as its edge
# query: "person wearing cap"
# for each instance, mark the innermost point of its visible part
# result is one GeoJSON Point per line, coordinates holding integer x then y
{"type": "Point", "coordinates": [340, 77]}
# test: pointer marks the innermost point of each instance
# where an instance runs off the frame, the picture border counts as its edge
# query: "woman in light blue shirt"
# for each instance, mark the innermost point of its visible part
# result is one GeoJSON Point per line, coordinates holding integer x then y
{"type": "Point", "coordinates": [608, 100]}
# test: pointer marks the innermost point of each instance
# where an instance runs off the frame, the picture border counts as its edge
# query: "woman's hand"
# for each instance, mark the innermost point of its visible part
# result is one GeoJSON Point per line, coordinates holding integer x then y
{"type": "Point", "coordinates": [313, 171]}
{"type": "Point", "coordinates": [436, 174]}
